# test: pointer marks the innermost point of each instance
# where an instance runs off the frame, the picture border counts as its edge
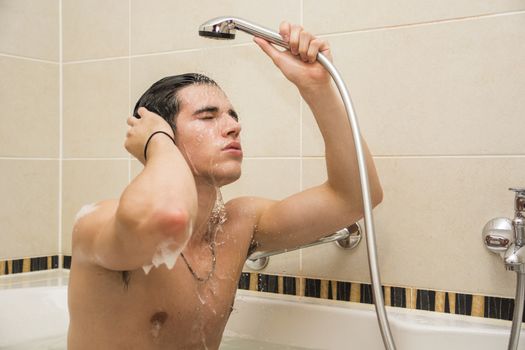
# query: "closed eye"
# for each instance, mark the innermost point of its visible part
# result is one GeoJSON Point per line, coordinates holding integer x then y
{"type": "Point", "coordinates": [233, 114]}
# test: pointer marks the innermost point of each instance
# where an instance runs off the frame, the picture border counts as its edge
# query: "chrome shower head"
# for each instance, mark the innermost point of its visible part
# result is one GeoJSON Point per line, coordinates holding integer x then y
{"type": "Point", "coordinates": [218, 28]}
{"type": "Point", "coordinates": [225, 28]}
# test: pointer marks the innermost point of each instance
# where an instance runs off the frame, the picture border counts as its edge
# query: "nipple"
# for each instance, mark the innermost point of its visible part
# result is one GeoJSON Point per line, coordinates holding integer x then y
{"type": "Point", "coordinates": [157, 320]}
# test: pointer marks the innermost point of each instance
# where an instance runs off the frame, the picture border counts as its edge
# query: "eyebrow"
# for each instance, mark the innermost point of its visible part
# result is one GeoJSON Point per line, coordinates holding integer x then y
{"type": "Point", "coordinates": [213, 109]}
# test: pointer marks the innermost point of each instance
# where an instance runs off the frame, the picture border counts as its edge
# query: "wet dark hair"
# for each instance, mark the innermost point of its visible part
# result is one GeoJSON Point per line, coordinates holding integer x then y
{"type": "Point", "coordinates": [161, 98]}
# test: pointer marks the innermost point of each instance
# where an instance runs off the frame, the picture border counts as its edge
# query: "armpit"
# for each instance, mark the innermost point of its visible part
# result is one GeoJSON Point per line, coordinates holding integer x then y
{"type": "Point", "coordinates": [253, 247]}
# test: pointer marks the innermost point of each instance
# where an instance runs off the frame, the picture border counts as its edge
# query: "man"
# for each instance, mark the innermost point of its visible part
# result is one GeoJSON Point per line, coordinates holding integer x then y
{"type": "Point", "coordinates": [158, 268]}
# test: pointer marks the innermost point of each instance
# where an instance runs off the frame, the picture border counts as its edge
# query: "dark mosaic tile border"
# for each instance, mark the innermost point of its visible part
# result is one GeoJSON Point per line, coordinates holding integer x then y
{"type": "Point", "coordinates": [9, 267]}
{"type": "Point", "coordinates": [420, 299]}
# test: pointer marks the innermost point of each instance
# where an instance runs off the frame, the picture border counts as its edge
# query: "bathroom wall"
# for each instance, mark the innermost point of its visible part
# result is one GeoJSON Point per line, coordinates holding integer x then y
{"type": "Point", "coordinates": [30, 128]}
{"type": "Point", "coordinates": [437, 88]}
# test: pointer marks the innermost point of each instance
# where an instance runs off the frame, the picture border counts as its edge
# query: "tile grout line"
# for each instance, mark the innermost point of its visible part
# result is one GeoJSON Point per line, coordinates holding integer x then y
{"type": "Point", "coordinates": [129, 78]}
{"type": "Point", "coordinates": [423, 23]}
{"type": "Point", "coordinates": [39, 60]}
{"type": "Point", "coordinates": [301, 168]}
{"type": "Point", "coordinates": [437, 21]}
{"type": "Point", "coordinates": [298, 157]}
{"type": "Point", "coordinates": [61, 131]}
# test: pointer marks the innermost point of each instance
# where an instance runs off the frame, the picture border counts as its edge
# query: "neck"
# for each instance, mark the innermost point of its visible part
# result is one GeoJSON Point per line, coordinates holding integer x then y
{"type": "Point", "coordinates": [206, 196]}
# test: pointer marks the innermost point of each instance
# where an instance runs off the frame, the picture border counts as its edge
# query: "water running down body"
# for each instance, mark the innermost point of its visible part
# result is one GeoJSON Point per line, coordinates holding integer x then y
{"type": "Point", "coordinates": [173, 199]}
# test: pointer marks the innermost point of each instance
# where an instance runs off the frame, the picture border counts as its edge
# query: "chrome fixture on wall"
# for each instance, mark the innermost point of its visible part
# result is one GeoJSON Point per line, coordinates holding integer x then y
{"type": "Point", "coordinates": [347, 238]}
{"type": "Point", "coordinates": [507, 238]}
{"type": "Point", "coordinates": [225, 28]}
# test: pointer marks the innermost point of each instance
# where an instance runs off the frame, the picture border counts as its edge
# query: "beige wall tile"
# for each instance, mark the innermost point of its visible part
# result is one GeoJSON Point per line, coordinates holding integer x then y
{"type": "Point", "coordinates": [86, 182]}
{"type": "Point", "coordinates": [30, 28]}
{"type": "Point", "coordinates": [428, 228]}
{"type": "Point", "coordinates": [268, 178]}
{"type": "Point", "coordinates": [314, 172]}
{"type": "Point", "coordinates": [447, 88]}
{"type": "Point", "coordinates": [342, 15]}
{"type": "Point", "coordinates": [274, 179]}
{"type": "Point", "coordinates": [328, 260]}
{"type": "Point", "coordinates": [267, 103]}
{"type": "Point", "coordinates": [29, 99]}
{"type": "Point", "coordinates": [95, 109]}
{"type": "Point", "coordinates": [135, 168]}
{"type": "Point", "coordinates": [95, 29]}
{"type": "Point", "coordinates": [28, 208]}
{"type": "Point", "coordinates": [173, 25]}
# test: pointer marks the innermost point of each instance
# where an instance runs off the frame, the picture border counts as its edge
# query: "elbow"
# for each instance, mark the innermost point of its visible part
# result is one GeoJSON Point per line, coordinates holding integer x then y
{"type": "Point", "coordinates": [377, 196]}
{"type": "Point", "coordinates": [172, 223]}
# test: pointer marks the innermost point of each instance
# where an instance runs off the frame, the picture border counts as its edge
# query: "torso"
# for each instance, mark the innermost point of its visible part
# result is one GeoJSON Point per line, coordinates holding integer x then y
{"type": "Point", "coordinates": [165, 309]}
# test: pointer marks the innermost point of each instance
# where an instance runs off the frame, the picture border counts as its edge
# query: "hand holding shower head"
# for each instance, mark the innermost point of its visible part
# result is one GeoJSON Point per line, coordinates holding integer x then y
{"type": "Point", "coordinates": [225, 28]}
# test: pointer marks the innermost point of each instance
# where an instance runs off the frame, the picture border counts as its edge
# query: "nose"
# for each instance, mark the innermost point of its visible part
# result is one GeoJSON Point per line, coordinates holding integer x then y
{"type": "Point", "coordinates": [232, 127]}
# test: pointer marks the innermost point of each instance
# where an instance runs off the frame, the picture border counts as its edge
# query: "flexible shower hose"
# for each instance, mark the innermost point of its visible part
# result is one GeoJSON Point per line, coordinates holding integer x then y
{"type": "Point", "coordinates": [518, 312]}
{"type": "Point", "coordinates": [275, 38]}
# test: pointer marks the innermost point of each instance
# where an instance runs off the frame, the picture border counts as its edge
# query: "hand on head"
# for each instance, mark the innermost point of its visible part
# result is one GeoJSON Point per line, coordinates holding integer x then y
{"type": "Point", "coordinates": [140, 129]}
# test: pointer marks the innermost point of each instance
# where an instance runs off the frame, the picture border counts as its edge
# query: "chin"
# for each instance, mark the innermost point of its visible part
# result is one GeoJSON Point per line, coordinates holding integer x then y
{"type": "Point", "coordinates": [225, 175]}
{"type": "Point", "coordinates": [230, 178]}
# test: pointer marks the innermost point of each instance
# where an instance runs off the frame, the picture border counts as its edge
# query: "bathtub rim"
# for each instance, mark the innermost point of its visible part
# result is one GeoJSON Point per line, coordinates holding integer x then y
{"type": "Point", "coordinates": [60, 278]}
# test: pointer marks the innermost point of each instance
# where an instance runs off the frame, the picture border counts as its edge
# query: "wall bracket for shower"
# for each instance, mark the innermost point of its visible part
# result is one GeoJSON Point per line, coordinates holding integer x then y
{"type": "Point", "coordinates": [348, 238]}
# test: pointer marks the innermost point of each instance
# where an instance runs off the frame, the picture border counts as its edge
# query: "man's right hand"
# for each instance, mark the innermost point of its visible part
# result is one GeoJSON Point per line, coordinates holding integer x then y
{"type": "Point", "coordinates": [141, 129]}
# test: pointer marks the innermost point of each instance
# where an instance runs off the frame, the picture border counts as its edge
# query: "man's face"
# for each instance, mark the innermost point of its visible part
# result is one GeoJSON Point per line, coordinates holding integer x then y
{"type": "Point", "coordinates": [208, 134]}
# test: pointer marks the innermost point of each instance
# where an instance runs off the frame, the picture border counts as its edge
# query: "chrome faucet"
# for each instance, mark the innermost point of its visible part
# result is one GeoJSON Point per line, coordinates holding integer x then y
{"type": "Point", "coordinates": [507, 237]}
{"type": "Point", "coordinates": [515, 255]}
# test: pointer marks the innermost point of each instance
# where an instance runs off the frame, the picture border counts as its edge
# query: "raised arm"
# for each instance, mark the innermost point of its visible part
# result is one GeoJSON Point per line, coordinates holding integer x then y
{"type": "Point", "coordinates": [321, 210]}
{"type": "Point", "coordinates": [157, 207]}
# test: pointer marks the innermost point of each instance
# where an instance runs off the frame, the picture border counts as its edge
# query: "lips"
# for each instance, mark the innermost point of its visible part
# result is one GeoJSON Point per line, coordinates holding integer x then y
{"type": "Point", "coordinates": [233, 146]}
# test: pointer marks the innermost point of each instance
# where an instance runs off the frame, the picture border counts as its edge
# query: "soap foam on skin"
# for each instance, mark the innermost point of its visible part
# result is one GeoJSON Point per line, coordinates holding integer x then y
{"type": "Point", "coordinates": [85, 210]}
{"type": "Point", "coordinates": [165, 254]}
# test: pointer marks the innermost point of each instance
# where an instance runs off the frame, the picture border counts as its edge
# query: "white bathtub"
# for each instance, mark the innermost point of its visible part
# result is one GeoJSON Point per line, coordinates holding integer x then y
{"type": "Point", "coordinates": [37, 318]}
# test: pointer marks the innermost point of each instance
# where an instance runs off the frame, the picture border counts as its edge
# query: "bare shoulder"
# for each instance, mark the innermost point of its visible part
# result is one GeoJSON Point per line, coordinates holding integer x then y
{"type": "Point", "coordinates": [248, 207]}
{"type": "Point", "coordinates": [89, 220]}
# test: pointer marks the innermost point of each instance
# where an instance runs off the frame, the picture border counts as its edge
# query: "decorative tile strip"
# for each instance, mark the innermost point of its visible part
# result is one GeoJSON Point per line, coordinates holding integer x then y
{"type": "Point", "coordinates": [411, 298]}
{"type": "Point", "coordinates": [9, 267]}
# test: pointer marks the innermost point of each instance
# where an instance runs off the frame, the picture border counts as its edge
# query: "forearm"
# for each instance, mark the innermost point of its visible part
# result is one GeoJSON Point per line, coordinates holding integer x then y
{"type": "Point", "coordinates": [161, 202]}
{"type": "Point", "coordinates": [340, 153]}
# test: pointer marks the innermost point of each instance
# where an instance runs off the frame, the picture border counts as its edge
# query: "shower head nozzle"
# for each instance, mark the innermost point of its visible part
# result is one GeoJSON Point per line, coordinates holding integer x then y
{"type": "Point", "coordinates": [218, 28]}
{"type": "Point", "coordinates": [225, 28]}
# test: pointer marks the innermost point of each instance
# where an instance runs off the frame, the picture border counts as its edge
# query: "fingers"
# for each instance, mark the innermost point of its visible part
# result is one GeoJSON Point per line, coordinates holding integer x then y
{"type": "Point", "coordinates": [284, 30]}
{"type": "Point", "coordinates": [142, 111]}
{"type": "Point", "coordinates": [313, 49]}
{"type": "Point", "coordinates": [302, 43]}
{"type": "Point", "coordinates": [294, 39]}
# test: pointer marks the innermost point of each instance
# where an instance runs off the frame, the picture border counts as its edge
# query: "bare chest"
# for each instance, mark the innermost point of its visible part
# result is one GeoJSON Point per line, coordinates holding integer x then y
{"type": "Point", "coordinates": [185, 301]}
